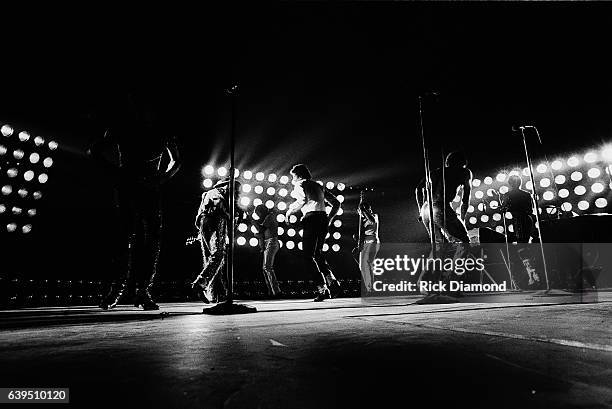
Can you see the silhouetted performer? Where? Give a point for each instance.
(370, 243)
(139, 158)
(213, 224)
(518, 203)
(445, 185)
(311, 198)
(267, 227)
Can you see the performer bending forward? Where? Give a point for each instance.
(311, 198)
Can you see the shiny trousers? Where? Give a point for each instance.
(315, 226)
(271, 247)
(213, 242)
(452, 229)
(366, 260)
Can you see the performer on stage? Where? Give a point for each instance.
(445, 185)
(311, 199)
(139, 159)
(370, 243)
(267, 227)
(212, 222)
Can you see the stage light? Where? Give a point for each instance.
(3, 150)
(280, 231)
(7, 190)
(271, 191)
(515, 172)
(529, 185)
(2, 208)
(260, 176)
(207, 183)
(270, 204)
(222, 171)
(583, 205)
(580, 190)
(11, 227)
(497, 217)
(300, 245)
(511, 229)
(508, 215)
(24, 136)
(545, 182)
(329, 185)
(563, 193)
(291, 232)
(560, 179)
(481, 207)
(245, 201)
(337, 223)
(526, 172)
(476, 182)
(22, 192)
(488, 180)
(336, 235)
(254, 230)
(499, 229)
(38, 141)
(241, 241)
(340, 211)
(282, 206)
(556, 165)
(290, 245)
(246, 188)
(541, 168)
(272, 178)
(594, 173)
(208, 170)
(257, 202)
(590, 157)
(325, 247)
(341, 186)
(503, 190)
(490, 192)
(48, 162)
(12, 172)
(284, 179)
(258, 189)
(566, 207)
(32, 212)
(34, 157)
(606, 153)
(280, 218)
(6, 130)
(479, 194)
(247, 174)
(18, 154)
(37, 195)
(253, 242)
(283, 192)
(254, 216)
(484, 218)
(52, 145)
(548, 195)
(573, 161)
(597, 187)
(293, 219)
(16, 210)
(236, 173)
(336, 247)
(494, 204)
(473, 220)
(328, 209)
(501, 177)
(601, 203)
(340, 198)
(470, 209)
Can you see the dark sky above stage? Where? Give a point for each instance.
(334, 86)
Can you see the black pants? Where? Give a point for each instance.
(315, 225)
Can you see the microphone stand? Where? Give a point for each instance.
(228, 307)
(513, 286)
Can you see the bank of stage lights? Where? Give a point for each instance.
(25, 161)
(580, 184)
(275, 193)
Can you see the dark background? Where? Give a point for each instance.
(331, 85)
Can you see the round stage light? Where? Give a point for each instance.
(500, 229)
(601, 203)
(48, 162)
(254, 229)
(590, 157)
(488, 180)
(38, 141)
(594, 173)
(259, 176)
(222, 171)
(476, 182)
(293, 219)
(253, 242)
(515, 172)
(291, 232)
(280, 231)
(484, 218)
(542, 168)
(325, 247)
(22, 192)
(236, 173)
(583, 205)
(271, 191)
(246, 188)
(282, 206)
(566, 207)
(283, 192)
(337, 223)
(257, 202)
(280, 218)
(270, 204)
(493, 204)
(7, 190)
(548, 195)
(341, 186)
(11, 227)
(556, 165)
(245, 201)
(497, 217)
(290, 245)
(3, 150)
(560, 179)
(336, 235)
(300, 245)
(52, 145)
(329, 185)
(24, 136)
(284, 179)
(34, 157)
(336, 247)
(254, 216)
(576, 176)
(501, 177)
(37, 195)
(470, 209)
(12, 172)
(6, 130)
(280, 244)
(272, 178)
(606, 153)
(481, 207)
(32, 212)
(508, 215)
(247, 174)
(340, 212)
(511, 229)
(16, 210)
(479, 194)
(526, 172)
(241, 241)
(529, 185)
(573, 161)
(563, 193)
(18, 154)
(580, 190)
(473, 220)
(597, 187)
(490, 192)
(208, 183)
(340, 198)
(503, 190)
(545, 182)
(2, 208)
(259, 189)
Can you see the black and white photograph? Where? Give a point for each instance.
(306, 204)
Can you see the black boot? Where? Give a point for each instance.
(143, 298)
(334, 286)
(322, 293)
(114, 295)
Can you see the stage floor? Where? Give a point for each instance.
(520, 351)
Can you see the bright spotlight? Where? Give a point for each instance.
(488, 180)
(280, 231)
(38, 141)
(576, 176)
(601, 203)
(548, 195)
(283, 192)
(241, 241)
(340, 211)
(222, 171)
(32, 212)
(597, 187)
(291, 232)
(42, 178)
(590, 157)
(336, 235)
(290, 245)
(260, 176)
(257, 202)
(336, 247)
(280, 218)
(282, 206)
(53, 145)
(12, 172)
(284, 179)
(246, 188)
(270, 204)
(573, 161)
(208, 183)
(253, 242)
(337, 223)
(236, 173)
(499, 229)
(526, 172)
(583, 205)
(6, 130)
(271, 178)
(258, 189)
(508, 215)
(556, 165)
(3, 150)
(18, 154)
(481, 207)
(16, 210)
(2, 208)
(580, 190)
(470, 209)
(24, 136)
(329, 185)
(497, 217)
(341, 186)
(479, 194)
(293, 219)
(247, 174)
(563, 193)
(484, 218)
(37, 195)
(476, 182)
(7, 190)
(245, 200)
(254, 215)
(541, 168)
(501, 177)
(594, 173)
(493, 204)
(208, 170)
(22, 192)
(325, 247)
(515, 172)
(270, 191)
(300, 245)
(340, 198)
(34, 157)
(606, 153)
(545, 182)
(473, 220)
(11, 227)
(560, 179)
(566, 207)
(48, 162)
